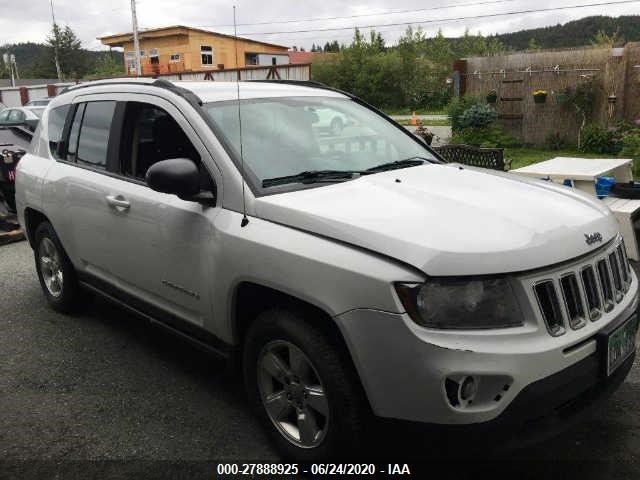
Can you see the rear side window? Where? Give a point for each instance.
(94, 134)
(4, 115)
(57, 119)
(72, 148)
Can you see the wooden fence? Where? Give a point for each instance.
(16, 96)
(615, 74)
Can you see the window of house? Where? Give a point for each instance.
(153, 56)
(142, 53)
(206, 52)
(251, 59)
(93, 140)
(57, 119)
(151, 135)
(175, 57)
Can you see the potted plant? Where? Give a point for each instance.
(492, 96)
(539, 96)
(562, 96)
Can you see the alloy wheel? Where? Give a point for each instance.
(51, 267)
(293, 394)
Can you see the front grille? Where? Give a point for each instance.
(585, 291)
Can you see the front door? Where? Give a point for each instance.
(153, 247)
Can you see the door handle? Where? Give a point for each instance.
(118, 202)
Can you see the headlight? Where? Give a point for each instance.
(461, 304)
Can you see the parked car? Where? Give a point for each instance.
(13, 145)
(21, 117)
(349, 275)
(329, 119)
(42, 102)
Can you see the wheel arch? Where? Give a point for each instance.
(33, 218)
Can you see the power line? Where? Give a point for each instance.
(389, 12)
(470, 17)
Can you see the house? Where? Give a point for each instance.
(186, 49)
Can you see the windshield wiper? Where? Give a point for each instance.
(312, 176)
(408, 162)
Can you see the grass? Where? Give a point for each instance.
(523, 156)
(409, 111)
(428, 123)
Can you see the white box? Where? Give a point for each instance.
(627, 212)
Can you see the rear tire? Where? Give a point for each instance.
(317, 411)
(57, 276)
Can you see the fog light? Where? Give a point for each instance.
(461, 390)
(468, 389)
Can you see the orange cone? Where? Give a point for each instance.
(414, 120)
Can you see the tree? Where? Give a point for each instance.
(106, 66)
(71, 56)
(601, 39)
(533, 46)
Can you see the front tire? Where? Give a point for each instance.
(56, 273)
(303, 387)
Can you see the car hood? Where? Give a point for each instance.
(449, 219)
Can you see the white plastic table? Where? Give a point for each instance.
(583, 171)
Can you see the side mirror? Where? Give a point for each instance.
(178, 176)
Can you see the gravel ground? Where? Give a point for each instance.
(103, 395)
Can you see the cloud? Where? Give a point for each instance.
(30, 20)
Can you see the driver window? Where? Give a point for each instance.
(150, 135)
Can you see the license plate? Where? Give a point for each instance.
(621, 344)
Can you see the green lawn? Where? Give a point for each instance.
(409, 111)
(428, 123)
(523, 156)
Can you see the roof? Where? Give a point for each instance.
(209, 91)
(120, 38)
(300, 57)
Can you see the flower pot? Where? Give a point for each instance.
(561, 98)
(492, 98)
(539, 98)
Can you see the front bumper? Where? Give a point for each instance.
(528, 374)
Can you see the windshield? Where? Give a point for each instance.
(286, 136)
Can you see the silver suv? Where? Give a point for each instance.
(350, 271)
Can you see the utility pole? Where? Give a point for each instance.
(55, 46)
(136, 42)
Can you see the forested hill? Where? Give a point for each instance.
(574, 34)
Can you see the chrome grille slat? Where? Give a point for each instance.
(550, 306)
(573, 300)
(591, 292)
(584, 291)
(606, 286)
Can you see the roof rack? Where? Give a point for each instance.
(160, 83)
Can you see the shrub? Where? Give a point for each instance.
(488, 136)
(596, 139)
(477, 116)
(631, 149)
(458, 106)
(555, 140)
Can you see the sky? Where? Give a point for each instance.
(30, 20)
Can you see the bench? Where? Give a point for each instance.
(474, 156)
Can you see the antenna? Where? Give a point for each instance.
(245, 220)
